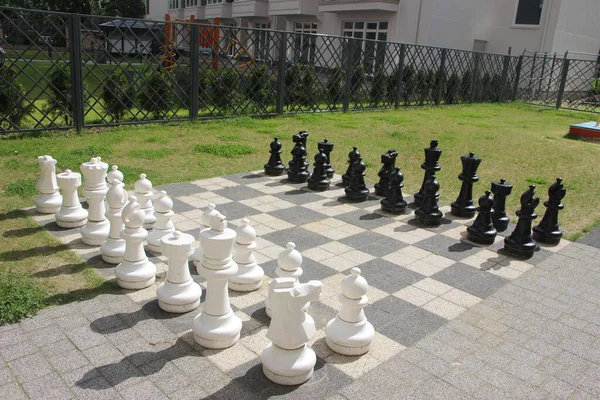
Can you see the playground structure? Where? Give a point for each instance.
(209, 37)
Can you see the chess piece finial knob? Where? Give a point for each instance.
(289, 259)
(354, 286)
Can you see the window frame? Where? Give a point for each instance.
(527, 26)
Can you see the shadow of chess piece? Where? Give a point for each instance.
(520, 242)
(319, 180)
(548, 230)
(394, 203)
(428, 213)
(357, 190)
(275, 167)
(431, 166)
(482, 231)
(463, 206)
(389, 165)
(327, 148)
(501, 190)
(352, 157)
(298, 167)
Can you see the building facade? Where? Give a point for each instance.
(548, 26)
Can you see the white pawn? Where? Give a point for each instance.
(110, 177)
(163, 211)
(179, 293)
(136, 271)
(49, 199)
(288, 360)
(217, 327)
(71, 214)
(288, 266)
(113, 249)
(143, 191)
(250, 275)
(95, 232)
(205, 221)
(349, 333)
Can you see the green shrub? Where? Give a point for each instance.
(59, 87)
(157, 94)
(466, 83)
(225, 150)
(118, 95)
(335, 86)
(225, 88)
(357, 81)
(21, 187)
(452, 89)
(421, 86)
(258, 87)
(409, 83)
(293, 83)
(379, 87)
(392, 87)
(309, 92)
(484, 89)
(496, 88)
(13, 106)
(20, 296)
(205, 82)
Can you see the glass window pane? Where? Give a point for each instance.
(382, 36)
(359, 25)
(347, 25)
(529, 12)
(372, 25)
(358, 35)
(371, 35)
(347, 33)
(314, 26)
(383, 25)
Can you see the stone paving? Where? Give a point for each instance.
(536, 337)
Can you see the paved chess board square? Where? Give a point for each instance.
(419, 277)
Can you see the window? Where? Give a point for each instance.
(305, 45)
(263, 41)
(529, 12)
(370, 53)
(173, 4)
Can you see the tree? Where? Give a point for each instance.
(59, 87)
(118, 95)
(13, 106)
(124, 8)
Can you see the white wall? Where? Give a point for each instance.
(158, 9)
(577, 28)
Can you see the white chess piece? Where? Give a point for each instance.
(163, 211)
(288, 266)
(49, 199)
(217, 327)
(136, 271)
(349, 333)
(288, 360)
(95, 232)
(113, 250)
(113, 174)
(71, 214)
(250, 275)
(205, 221)
(179, 293)
(143, 191)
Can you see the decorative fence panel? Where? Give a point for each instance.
(62, 71)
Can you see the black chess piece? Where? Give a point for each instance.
(548, 230)
(275, 167)
(357, 190)
(352, 157)
(389, 165)
(431, 166)
(463, 206)
(327, 148)
(298, 167)
(428, 213)
(482, 231)
(319, 180)
(393, 202)
(302, 136)
(501, 190)
(520, 242)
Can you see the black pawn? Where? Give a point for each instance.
(394, 203)
(357, 190)
(500, 190)
(431, 166)
(298, 167)
(389, 165)
(482, 231)
(275, 167)
(548, 230)
(463, 206)
(520, 242)
(319, 180)
(428, 213)
(327, 148)
(352, 157)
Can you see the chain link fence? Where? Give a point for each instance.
(64, 71)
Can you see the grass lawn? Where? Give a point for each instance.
(523, 144)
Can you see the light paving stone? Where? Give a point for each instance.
(68, 360)
(317, 254)
(354, 366)
(335, 248)
(444, 308)
(357, 256)
(424, 268)
(30, 367)
(146, 390)
(414, 295)
(6, 376)
(256, 341)
(414, 252)
(432, 286)
(339, 263)
(17, 350)
(12, 391)
(229, 358)
(399, 258)
(461, 298)
(48, 387)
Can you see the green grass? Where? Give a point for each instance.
(169, 153)
(20, 295)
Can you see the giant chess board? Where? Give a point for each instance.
(419, 279)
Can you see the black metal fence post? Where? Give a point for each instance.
(77, 100)
(348, 74)
(517, 78)
(475, 81)
(441, 75)
(504, 79)
(400, 75)
(281, 73)
(563, 81)
(194, 71)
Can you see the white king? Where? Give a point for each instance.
(95, 232)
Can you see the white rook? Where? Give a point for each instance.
(179, 293)
(71, 214)
(95, 232)
(113, 249)
(250, 275)
(49, 199)
(163, 211)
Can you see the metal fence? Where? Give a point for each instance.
(63, 70)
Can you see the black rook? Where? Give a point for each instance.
(499, 218)
(327, 148)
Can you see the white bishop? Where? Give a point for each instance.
(113, 249)
(143, 191)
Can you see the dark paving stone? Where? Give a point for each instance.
(372, 200)
(365, 219)
(180, 189)
(445, 225)
(304, 239)
(179, 206)
(373, 243)
(236, 210)
(313, 270)
(298, 215)
(298, 196)
(387, 276)
(448, 247)
(398, 308)
(591, 239)
(471, 280)
(413, 327)
(239, 193)
(247, 177)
